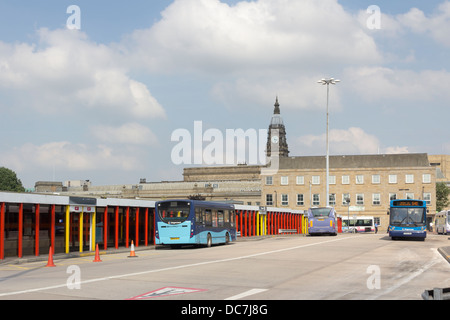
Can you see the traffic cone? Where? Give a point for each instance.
(50, 258)
(132, 254)
(97, 255)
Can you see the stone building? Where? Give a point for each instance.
(368, 181)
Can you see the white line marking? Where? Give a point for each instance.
(246, 294)
(409, 277)
(175, 268)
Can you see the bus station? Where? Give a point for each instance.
(30, 224)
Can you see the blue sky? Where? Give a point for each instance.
(102, 102)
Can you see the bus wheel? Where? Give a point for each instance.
(209, 241)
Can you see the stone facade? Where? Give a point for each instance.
(369, 180)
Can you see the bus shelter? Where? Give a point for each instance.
(31, 223)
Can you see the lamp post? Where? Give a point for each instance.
(327, 82)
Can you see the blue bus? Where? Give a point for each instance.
(180, 222)
(322, 221)
(407, 219)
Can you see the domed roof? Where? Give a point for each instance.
(276, 120)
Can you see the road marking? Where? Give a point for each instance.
(410, 276)
(166, 291)
(177, 267)
(246, 294)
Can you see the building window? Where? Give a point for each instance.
(300, 200)
(316, 199)
(284, 181)
(392, 196)
(359, 179)
(345, 179)
(269, 200)
(332, 179)
(300, 180)
(332, 199)
(359, 199)
(426, 178)
(377, 221)
(427, 198)
(392, 178)
(315, 179)
(269, 180)
(376, 199)
(345, 198)
(376, 179)
(284, 200)
(409, 195)
(409, 178)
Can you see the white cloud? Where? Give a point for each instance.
(436, 24)
(66, 72)
(382, 83)
(210, 36)
(302, 92)
(396, 150)
(67, 156)
(350, 141)
(128, 133)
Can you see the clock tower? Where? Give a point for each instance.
(276, 140)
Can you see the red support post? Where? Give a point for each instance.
(52, 226)
(36, 230)
(146, 227)
(255, 216)
(20, 231)
(137, 228)
(105, 228)
(2, 231)
(117, 228)
(240, 229)
(127, 226)
(245, 223)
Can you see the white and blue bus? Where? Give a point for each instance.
(180, 222)
(442, 222)
(322, 221)
(407, 219)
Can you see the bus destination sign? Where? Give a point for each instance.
(408, 203)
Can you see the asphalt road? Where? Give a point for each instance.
(344, 267)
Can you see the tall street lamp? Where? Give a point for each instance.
(328, 82)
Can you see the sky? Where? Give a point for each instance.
(115, 91)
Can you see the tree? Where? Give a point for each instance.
(442, 193)
(9, 181)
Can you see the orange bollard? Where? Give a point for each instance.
(97, 255)
(50, 258)
(132, 254)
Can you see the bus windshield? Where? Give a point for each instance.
(405, 216)
(173, 212)
(320, 212)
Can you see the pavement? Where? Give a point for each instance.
(445, 252)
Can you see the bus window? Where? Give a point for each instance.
(207, 217)
(220, 218)
(173, 212)
(320, 212)
(226, 217)
(214, 218)
(198, 216)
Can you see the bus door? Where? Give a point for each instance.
(82, 229)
